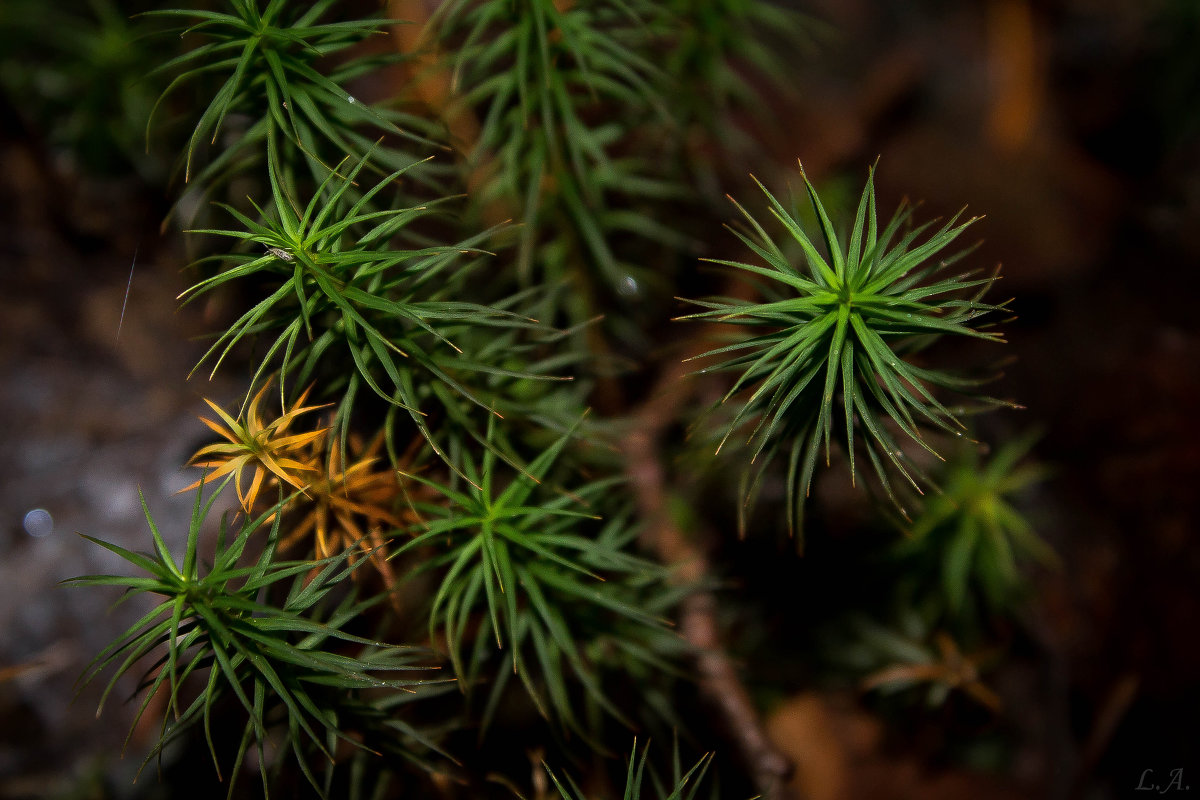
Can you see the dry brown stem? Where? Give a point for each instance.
(717, 675)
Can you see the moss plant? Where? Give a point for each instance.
(419, 377)
(835, 330)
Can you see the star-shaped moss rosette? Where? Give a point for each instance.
(528, 571)
(840, 328)
(351, 507)
(215, 633)
(266, 448)
(942, 668)
(971, 537)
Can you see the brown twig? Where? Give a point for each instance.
(430, 79)
(430, 82)
(717, 675)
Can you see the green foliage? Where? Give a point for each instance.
(635, 775)
(955, 579)
(968, 538)
(712, 49)
(267, 62)
(837, 329)
(334, 282)
(81, 80)
(278, 656)
(558, 89)
(528, 558)
(502, 524)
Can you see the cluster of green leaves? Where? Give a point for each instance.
(842, 327)
(422, 342)
(635, 774)
(268, 61)
(346, 290)
(286, 658)
(337, 288)
(954, 580)
(970, 536)
(722, 56)
(557, 89)
(80, 81)
(528, 560)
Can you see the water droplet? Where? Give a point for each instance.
(628, 286)
(350, 99)
(38, 523)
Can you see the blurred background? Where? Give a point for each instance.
(1073, 125)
